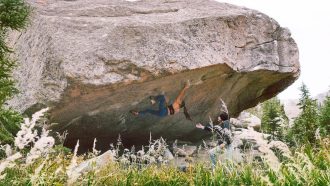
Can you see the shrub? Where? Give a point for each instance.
(13, 16)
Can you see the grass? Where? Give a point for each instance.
(56, 165)
(307, 167)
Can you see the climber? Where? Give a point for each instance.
(165, 110)
(224, 137)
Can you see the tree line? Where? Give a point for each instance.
(13, 16)
(312, 122)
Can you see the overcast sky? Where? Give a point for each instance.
(309, 23)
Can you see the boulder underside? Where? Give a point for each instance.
(104, 111)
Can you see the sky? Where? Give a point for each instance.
(309, 23)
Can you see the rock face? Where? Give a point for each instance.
(246, 120)
(291, 109)
(254, 145)
(92, 61)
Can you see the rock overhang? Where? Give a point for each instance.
(89, 112)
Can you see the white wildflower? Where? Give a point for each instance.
(145, 157)
(36, 116)
(211, 122)
(124, 160)
(14, 157)
(7, 163)
(160, 159)
(175, 144)
(152, 159)
(133, 157)
(161, 146)
(62, 137)
(119, 142)
(37, 171)
(8, 150)
(141, 152)
(95, 152)
(317, 134)
(59, 161)
(223, 106)
(41, 147)
(205, 145)
(152, 150)
(126, 150)
(27, 135)
(133, 149)
(113, 154)
(4, 165)
(303, 159)
(72, 174)
(74, 157)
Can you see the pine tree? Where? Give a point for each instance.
(325, 117)
(273, 118)
(306, 124)
(13, 16)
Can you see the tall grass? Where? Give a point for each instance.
(54, 165)
(307, 167)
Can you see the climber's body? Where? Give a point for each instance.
(163, 109)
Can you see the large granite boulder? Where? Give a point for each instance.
(246, 120)
(254, 145)
(92, 61)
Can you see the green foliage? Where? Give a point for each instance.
(14, 16)
(306, 124)
(57, 166)
(307, 166)
(273, 118)
(29, 175)
(325, 117)
(7, 84)
(9, 125)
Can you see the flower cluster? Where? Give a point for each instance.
(154, 154)
(28, 134)
(41, 147)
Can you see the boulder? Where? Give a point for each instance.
(255, 145)
(185, 150)
(95, 163)
(236, 123)
(281, 146)
(168, 155)
(247, 120)
(93, 61)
